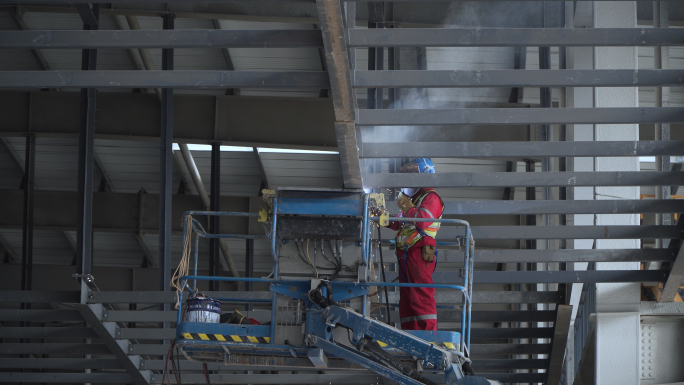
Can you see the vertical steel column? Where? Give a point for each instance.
(215, 197)
(421, 64)
(249, 266)
(166, 170)
(27, 231)
(86, 161)
(661, 59)
(392, 55)
(376, 55)
(545, 100)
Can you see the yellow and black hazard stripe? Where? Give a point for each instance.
(447, 345)
(227, 338)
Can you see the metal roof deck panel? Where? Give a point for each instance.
(10, 174)
(274, 59)
(49, 247)
(113, 249)
(131, 165)
(55, 21)
(6, 22)
(56, 162)
(240, 172)
(18, 60)
(302, 170)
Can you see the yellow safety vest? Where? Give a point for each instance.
(409, 235)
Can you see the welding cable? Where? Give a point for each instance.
(301, 256)
(323, 254)
(206, 375)
(178, 364)
(382, 268)
(169, 356)
(338, 266)
(176, 371)
(309, 258)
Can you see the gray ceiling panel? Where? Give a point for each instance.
(131, 165)
(49, 247)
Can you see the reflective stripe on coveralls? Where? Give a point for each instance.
(418, 318)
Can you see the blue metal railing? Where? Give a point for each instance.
(465, 328)
(465, 241)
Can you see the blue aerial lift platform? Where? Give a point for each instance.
(322, 302)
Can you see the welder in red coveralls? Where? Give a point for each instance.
(416, 250)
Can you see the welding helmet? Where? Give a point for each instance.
(419, 165)
(425, 165)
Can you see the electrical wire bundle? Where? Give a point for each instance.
(336, 261)
(183, 268)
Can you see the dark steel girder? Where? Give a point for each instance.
(45, 316)
(339, 67)
(245, 364)
(588, 276)
(595, 255)
(189, 38)
(495, 333)
(47, 332)
(502, 37)
(73, 378)
(238, 120)
(164, 79)
(165, 297)
(627, 206)
(53, 348)
(520, 179)
(525, 150)
(511, 116)
(497, 349)
(500, 364)
(88, 15)
(568, 232)
(477, 333)
(350, 378)
(518, 78)
(490, 297)
(59, 363)
(477, 349)
(39, 296)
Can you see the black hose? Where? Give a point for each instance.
(382, 268)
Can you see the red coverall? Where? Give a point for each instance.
(417, 306)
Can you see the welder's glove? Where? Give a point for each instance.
(404, 203)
